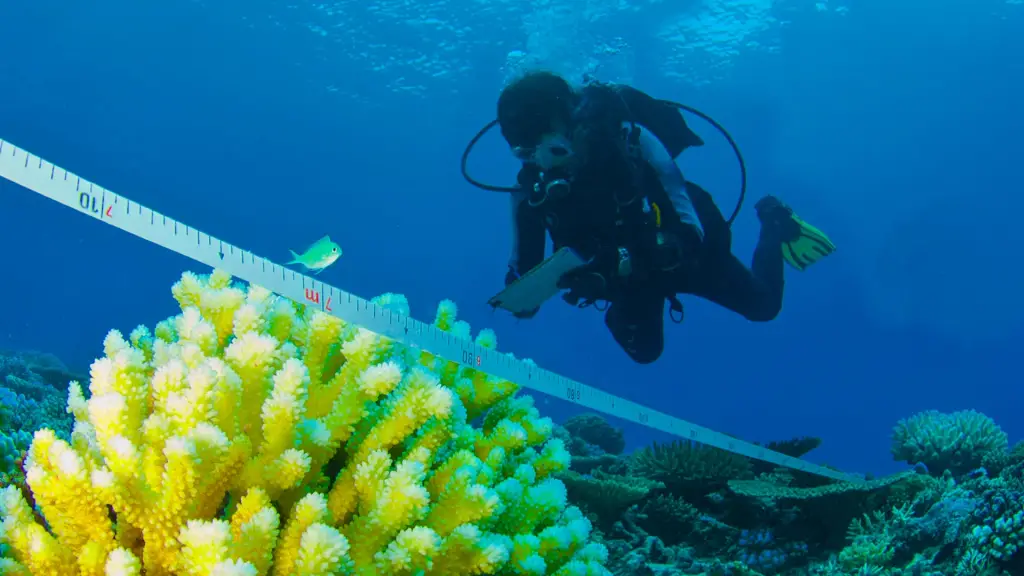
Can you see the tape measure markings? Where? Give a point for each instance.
(86, 197)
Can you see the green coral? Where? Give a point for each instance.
(682, 465)
(606, 495)
(867, 553)
(820, 515)
(604, 462)
(672, 519)
(996, 462)
(595, 430)
(880, 522)
(958, 442)
(974, 563)
(999, 532)
(872, 548)
(919, 488)
(763, 489)
(13, 444)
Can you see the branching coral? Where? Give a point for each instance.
(958, 442)
(209, 447)
(682, 464)
(607, 495)
(595, 430)
(673, 519)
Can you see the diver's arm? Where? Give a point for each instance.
(528, 238)
(671, 178)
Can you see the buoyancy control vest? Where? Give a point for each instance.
(611, 209)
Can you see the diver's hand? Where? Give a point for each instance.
(585, 276)
(575, 277)
(511, 276)
(583, 283)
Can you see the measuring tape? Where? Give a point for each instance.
(56, 183)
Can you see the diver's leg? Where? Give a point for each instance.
(637, 322)
(755, 292)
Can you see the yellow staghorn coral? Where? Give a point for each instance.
(253, 436)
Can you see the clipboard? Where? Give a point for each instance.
(538, 285)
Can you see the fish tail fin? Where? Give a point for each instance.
(295, 258)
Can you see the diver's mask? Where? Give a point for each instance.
(553, 156)
(553, 151)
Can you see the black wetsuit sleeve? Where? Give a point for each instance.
(528, 238)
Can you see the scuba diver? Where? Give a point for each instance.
(599, 176)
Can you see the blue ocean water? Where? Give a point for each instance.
(894, 126)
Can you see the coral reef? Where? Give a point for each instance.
(32, 393)
(34, 373)
(594, 431)
(697, 510)
(250, 435)
(609, 495)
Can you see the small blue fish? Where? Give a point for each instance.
(318, 256)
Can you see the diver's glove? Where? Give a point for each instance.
(584, 283)
(802, 244)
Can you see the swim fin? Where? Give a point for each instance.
(802, 244)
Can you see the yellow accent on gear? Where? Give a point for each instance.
(657, 215)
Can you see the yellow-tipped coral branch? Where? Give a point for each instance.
(252, 436)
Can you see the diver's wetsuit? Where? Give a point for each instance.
(636, 317)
